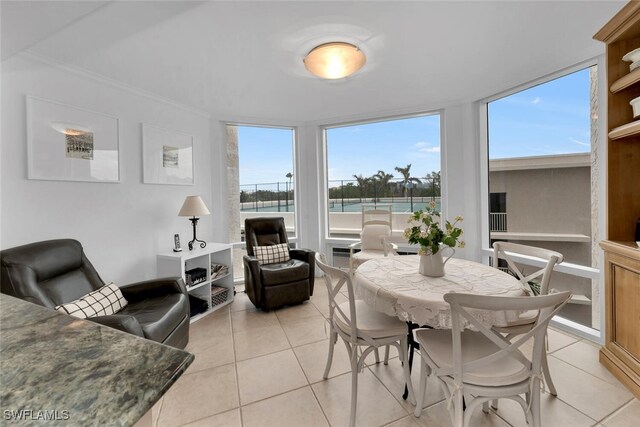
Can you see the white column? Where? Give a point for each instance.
(461, 175)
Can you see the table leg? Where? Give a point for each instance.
(412, 346)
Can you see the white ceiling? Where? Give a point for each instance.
(244, 59)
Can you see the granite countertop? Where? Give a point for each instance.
(78, 372)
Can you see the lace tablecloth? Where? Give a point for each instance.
(392, 285)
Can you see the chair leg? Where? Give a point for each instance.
(535, 404)
(377, 355)
(422, 389)
(386, 355)
(333, 335)
(407, 372)
(494, 404)
(353, 357)
(458, 409)
(547, 375)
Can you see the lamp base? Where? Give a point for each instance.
(203, 244)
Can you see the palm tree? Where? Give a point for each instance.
(434, 178)
(363, 183)
(384, 179)
(406, 178)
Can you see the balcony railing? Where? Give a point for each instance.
(344, 195)
(497, 221)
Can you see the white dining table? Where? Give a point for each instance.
(392, 285)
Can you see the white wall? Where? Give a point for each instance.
(121, 226)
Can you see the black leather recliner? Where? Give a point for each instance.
(56, 272)
(273, 285)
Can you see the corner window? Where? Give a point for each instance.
(541, 182)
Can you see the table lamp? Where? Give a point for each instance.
(193, 206)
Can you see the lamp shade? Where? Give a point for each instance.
(193, 206)
(334, 60)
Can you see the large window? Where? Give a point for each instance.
(261, 179)
(541, 181)
(394, 162)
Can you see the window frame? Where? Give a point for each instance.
(294, 163)
(568, 268)
(328, 242)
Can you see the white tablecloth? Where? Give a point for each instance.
(392, 285)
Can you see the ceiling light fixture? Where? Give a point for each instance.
(334, 60)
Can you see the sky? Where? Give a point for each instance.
(549, 119)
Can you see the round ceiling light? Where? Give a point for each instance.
(334, 60)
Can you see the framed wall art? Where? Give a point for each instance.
(67, 143)
(167, 156)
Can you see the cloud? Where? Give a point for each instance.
(422, 149)
(429, 150)
(536, 100)
(575, 141)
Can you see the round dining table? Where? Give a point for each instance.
(392, 285)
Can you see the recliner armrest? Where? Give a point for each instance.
(252, 282)
(142, 290)
(309, 257)
(305, 255)
(122, 322)
(253, 264)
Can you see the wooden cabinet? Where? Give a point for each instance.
(621, 352)
(214, 287)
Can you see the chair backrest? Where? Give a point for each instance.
(373, 235)
(506, 250)
(335, 279)
(264, 231)
(377, 214)
(548, 306)
(48, 273)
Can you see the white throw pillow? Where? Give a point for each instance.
(272, 254)
(102, 302)
(372, 235)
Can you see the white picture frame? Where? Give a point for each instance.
(69, 143)
(167, 156)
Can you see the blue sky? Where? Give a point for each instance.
(552, 118)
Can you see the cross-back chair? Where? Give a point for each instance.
(475, 367)
(360, 326)
(507, 251)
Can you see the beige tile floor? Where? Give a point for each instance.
(265, 369)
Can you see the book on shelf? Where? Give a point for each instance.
(218, 270)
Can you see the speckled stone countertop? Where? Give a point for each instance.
(75, 372)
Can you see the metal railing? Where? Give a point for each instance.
(268, 197)
(497, 221)
(345, 195)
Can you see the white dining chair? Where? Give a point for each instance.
(362, 329)
(474, 367)
(525, 321)
(376, 226)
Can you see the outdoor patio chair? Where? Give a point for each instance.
(360, 326)
(475, 367)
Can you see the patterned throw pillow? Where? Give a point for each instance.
(102, 302)
(272, 254)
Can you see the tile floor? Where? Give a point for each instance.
(265, 369)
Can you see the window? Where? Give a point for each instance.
(541, 182)
(394, 162)
(261, 179)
